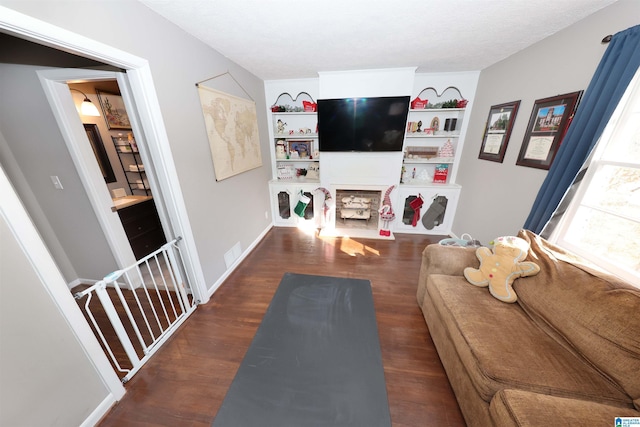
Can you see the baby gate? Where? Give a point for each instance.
(139, 307)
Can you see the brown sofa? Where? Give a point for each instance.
(567, 352)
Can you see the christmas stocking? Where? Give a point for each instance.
(416, 204)
(435, 214)
(303, 201)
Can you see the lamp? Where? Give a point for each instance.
(87, 108)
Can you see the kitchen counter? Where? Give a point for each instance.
(127, 201)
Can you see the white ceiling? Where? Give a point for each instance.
(277, 39)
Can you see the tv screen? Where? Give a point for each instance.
(362, 124)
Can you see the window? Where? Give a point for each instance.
(602, 223)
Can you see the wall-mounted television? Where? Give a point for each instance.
(362, 124)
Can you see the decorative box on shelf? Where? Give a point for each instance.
(421, 153)
(441, 173)
(419, 104)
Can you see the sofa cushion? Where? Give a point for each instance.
(501, 348)
(526, 409)
(449, 260)
(594, 314)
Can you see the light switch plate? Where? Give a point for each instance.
(56, 182)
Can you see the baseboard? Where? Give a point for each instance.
(80, 281)
(237, 262)
(101, 410)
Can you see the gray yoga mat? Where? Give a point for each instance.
(314, 361)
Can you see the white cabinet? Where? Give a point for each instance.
(434, 216)
(285, 196)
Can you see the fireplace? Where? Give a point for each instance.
(357, 212)
(357, 209)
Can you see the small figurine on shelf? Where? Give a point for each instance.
(280, 126)
(446, 151)
(281, 152)
(419, 126)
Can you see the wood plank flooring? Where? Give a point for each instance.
(185, 382)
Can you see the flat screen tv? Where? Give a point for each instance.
(362, 124)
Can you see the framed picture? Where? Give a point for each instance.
(497, 131)
(300, 149)
(113, 110)
(549, 122)
(100, 152)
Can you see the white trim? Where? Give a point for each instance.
(54, 84)
(237, 262)
(51, 278)
(81, 281)
(94, 418)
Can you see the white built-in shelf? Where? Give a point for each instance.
(423, 135)
(298, 160)
(297, 113)
(429, 184)
(296, 136)
(296, 180)
(435, 110)
(428, 161)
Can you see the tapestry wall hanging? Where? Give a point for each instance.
(232, 129)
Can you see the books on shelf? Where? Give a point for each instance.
(440, 174)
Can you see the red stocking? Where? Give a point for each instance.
(415, 205)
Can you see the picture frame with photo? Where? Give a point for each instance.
(497, 131)
(300, 149)
(113, 110)
(549, 121)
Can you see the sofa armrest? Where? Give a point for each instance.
(447, 260)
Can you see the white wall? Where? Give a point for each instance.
(34, 151)
(46, 378)
(221, 213)
(496, 197)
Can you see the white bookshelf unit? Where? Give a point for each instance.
(299, 167)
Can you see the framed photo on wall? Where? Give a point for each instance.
(113, 110)
(549, 121)
(497, 131)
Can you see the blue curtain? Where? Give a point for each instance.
(615, 71)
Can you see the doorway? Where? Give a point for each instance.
(140, 82)
(118, 154)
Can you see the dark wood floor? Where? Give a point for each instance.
(166, 307)
(185, 382)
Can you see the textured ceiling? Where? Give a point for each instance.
(277, 39)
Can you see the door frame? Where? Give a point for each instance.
(144, 96)
(56, 89)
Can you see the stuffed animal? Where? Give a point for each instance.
(499, 269)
